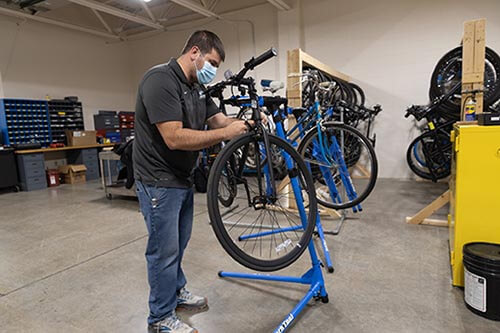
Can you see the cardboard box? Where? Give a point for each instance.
(73, 173)
(81, 138)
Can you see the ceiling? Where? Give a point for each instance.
(123, 19)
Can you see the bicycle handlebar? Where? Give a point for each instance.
(236, 79)
(420, 112)
(254, 62)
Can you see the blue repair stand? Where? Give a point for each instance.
(313, 278)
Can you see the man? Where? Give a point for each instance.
(171, 112)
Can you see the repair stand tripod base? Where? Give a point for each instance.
(313, 277)
(336, 231)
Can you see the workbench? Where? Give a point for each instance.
(32, 163)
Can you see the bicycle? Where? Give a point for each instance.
(429, 154)
(251, 201)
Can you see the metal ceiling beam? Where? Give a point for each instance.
(16, 13)
(104, 23)
(117, 12)
(280, 4)
(147, 10)
(195, 8)
(213, 4)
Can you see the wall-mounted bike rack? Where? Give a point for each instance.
(473, 51)
(297, 61)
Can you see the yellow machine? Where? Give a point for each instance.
(475, 191)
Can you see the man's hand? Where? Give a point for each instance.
(263, 118)
(234, 129)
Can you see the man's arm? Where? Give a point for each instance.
(220, 120)
(178, 138)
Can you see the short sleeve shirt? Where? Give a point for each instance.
(166, 95)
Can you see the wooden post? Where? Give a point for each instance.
(473, 54)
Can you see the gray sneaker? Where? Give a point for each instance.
(171, 324)
(188, 301)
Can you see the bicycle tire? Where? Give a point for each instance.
(359, 93)
(451, 62)
(373, 167)
(216, 218)
(415, 162)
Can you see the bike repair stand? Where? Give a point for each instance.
(336, 231)
(313, 277)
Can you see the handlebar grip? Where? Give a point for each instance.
(254, 62)
(265, 83)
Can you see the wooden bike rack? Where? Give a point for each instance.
(473, 54)
(297, 61)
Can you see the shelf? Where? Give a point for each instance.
(24, 121)
(65, 115)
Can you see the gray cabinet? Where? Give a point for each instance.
(31, 171)
(87, 157)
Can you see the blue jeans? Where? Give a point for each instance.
(168, 213)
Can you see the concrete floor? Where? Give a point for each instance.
(71, 260)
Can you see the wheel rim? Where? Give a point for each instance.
(347, 174)
(250, 214)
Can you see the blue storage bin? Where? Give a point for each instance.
(24, 121)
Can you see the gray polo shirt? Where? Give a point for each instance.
(166, 95)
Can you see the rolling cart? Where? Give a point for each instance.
(110, 184)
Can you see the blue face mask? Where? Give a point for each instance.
(206, 74)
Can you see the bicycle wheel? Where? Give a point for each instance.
(359, 93)
(448, 72)
(429, 156)
(258, 229)
(345, 169)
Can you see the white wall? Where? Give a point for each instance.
(390, 48)
(236, 36)
(37, 60)
(1, 86)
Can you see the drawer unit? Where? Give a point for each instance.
(92, 173)
(106, 122)
(81, 156)
(31, 171)
(126, 125)
(87, 157)
(92, 170)
(34, 183)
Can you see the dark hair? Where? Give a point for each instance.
(206, 41)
